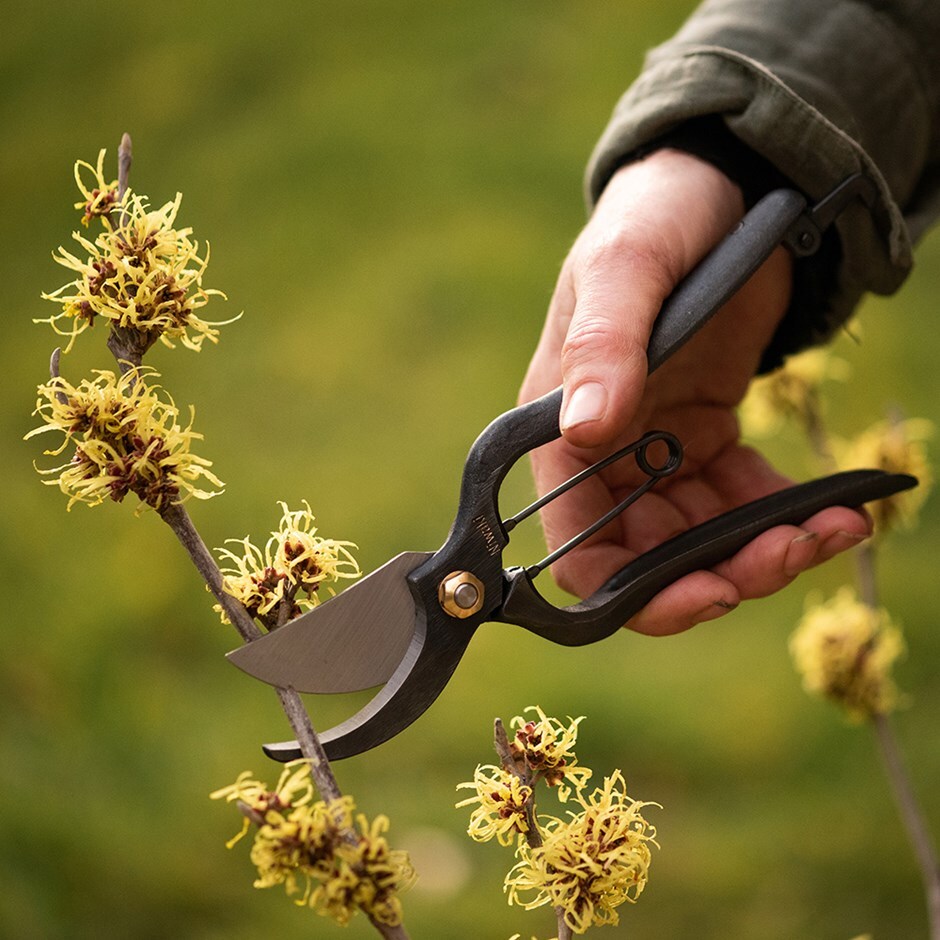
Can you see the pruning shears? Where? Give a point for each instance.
(406, 625)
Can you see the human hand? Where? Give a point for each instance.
(655, 220)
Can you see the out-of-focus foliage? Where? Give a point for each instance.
(389, 190)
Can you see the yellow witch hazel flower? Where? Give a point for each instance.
(126, 437)
(336, 861)
(546, 746)
(503, 805)
(789, 392)
(584, 866)
(279, 582)
(294, 788)
(896, 446)
(589, 864)
(141, 273)
(844, 650)
(99, 197)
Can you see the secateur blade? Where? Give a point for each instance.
(354, 641)
(417, 682)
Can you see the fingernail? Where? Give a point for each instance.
(715, 609)
(799, 554)
(841, 541)
(588, 402)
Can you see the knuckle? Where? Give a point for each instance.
(635, 251)
(589, 334)
(621, 276)
(600, 338)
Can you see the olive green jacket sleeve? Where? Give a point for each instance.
(821, 89)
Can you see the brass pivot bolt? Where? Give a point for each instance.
(461, 594)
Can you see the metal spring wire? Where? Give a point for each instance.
(653, 472)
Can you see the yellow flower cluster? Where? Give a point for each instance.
(126, 438)
(789, 392)
(589, 864)
(844, 650)
(141, 273)
(584, 866)
(546, 747)
(896, 446)
(503, 805)
(275, 584)
(334, 859)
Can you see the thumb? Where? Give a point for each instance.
(656, 219)
(603, 358)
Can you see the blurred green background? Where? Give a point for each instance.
(389, 190)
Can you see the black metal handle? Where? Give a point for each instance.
(711, 284)
(703, 546)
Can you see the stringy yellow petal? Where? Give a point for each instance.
(125, 436)
(285, 578)
(325, 855)
(502, 799)
(546, 746)
(141, 273)
(590, 863)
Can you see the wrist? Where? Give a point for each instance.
(708, 138)
(718, 187)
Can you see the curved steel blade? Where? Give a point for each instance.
(354, 641)
(427, 665)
